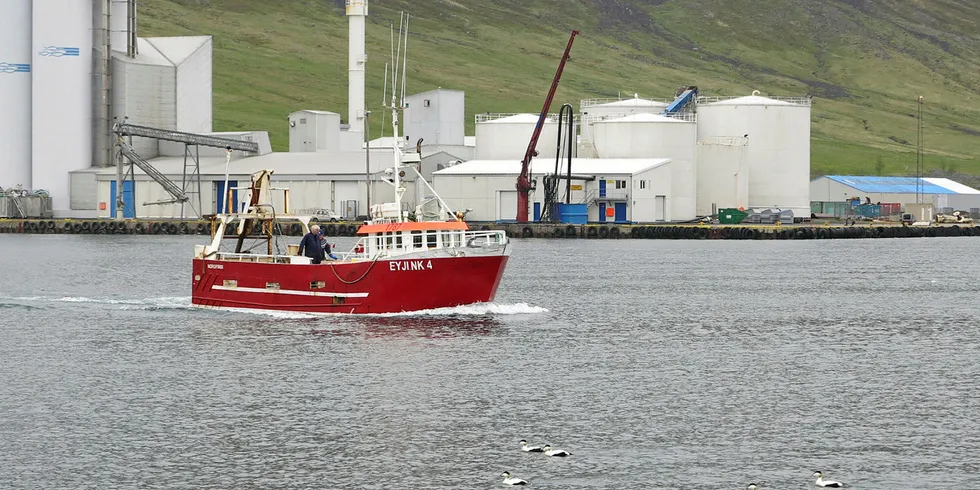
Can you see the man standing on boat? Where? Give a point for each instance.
(310, 246)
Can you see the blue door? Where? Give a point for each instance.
(129, 208)
(620, 212)
(602, 188)
(537, 211)
(602, 207)
(219, 193)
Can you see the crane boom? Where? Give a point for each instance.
(524, 180)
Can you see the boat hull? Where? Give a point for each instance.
(382, 286)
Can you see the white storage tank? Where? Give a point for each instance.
(592, 110)
(506, 136)
(723, 174)
(647, 135)
(15, 94)
(61, 87)
(778, 151)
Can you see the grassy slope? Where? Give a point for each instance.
(865, 61)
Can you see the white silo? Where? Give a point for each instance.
(61, 87)
(778, 151)
(505, 137)
(723, 174)
(15, 88)
(647, 135)
(592, 110)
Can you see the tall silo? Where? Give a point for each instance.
(778, 151)
(61, 85)
(506, 136)
(592, 110)
(15, 90)
(723, 174)
(647, 135)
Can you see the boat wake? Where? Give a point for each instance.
(184, 302)
(472, 310)
(162, 302)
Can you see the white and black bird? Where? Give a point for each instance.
(826, 483)
(509, 480)
(555, 452)
(752, 486)
(530, 449)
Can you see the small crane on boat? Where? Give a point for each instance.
(524, 180)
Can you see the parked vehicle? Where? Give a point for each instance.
(320, 214)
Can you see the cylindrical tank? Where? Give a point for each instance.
(778, 150)
(723, 174)
(600, 110)
(654, 136)
(506, 138)
(15, 91)
(61, 83)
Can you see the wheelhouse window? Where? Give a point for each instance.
(417, 239)
(432, 239)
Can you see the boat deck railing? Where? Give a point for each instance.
(361, 252)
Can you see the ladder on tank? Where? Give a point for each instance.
(178, 192)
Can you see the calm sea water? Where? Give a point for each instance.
(658, 364)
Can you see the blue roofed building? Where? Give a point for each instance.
(943, 194)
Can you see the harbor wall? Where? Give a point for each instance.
(518, 231)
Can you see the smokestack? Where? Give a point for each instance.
(357, 11)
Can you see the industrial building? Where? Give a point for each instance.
(618, 190)
(945, 195)
(133, 121)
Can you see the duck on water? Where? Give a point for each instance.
(826, 483)
(509, 480)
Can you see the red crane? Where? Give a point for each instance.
(524, 181)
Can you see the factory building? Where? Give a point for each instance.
(612, 189)
(333, 181)
(945, 195)
(78, 72)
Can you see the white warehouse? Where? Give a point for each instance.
(620, 190)
(940, 192)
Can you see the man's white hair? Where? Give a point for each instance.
(315, 228)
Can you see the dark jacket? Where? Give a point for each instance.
(310, 247)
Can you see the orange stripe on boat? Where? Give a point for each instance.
(413, 226)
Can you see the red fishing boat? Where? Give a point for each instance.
(397, 264)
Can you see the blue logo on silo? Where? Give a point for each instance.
(58, 51)
(14, 67)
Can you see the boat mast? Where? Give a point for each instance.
(397, 104)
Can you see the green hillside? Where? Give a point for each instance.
(865, 61)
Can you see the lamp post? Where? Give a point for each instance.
(918, 156)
